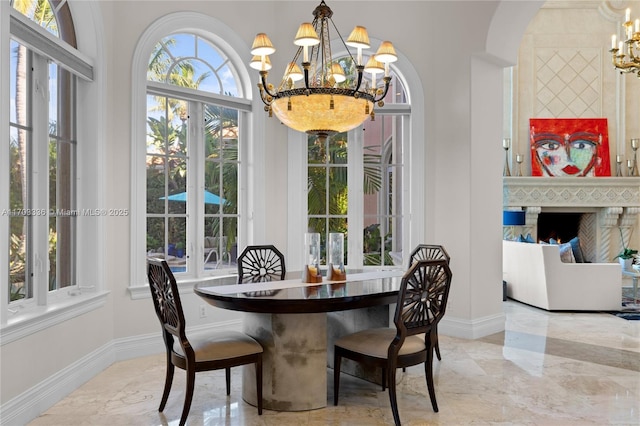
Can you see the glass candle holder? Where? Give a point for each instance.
(336, 271)
(519, 160)
(619, 161)
(311, 269)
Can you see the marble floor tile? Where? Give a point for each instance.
(544, 369)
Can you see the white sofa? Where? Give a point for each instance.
(536, 276)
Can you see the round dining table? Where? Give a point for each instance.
(289, 319)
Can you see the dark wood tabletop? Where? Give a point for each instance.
(292, 296)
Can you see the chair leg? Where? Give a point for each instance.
(435, 331)
(428, 372)
(384, 379)
(259, 384)
(391, 378)
(191, 381)
(337, 360)
(167, 383)
(227, 373)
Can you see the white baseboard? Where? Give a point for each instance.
(30, 404)
(475, 329)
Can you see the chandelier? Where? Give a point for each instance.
(628, 62)
(326, 95)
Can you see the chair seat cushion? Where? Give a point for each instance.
(219, 345)
(375, 342)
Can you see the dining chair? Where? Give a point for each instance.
(430, 252)
(201, 351)
(421, 304)
(261, 263)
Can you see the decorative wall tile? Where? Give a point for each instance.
(568, 82)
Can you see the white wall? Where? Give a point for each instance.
(446, 43)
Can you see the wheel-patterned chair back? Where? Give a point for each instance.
(422, 298)
(261, 263)
(166, 300)
(428, 252)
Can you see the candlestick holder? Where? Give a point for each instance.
(506, 144)
(619, 165)
(630, 167)
(519, 159)
(635, 143)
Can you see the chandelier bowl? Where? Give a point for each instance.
(313, 113)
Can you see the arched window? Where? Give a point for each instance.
(192, 142)
(43, 212)
(40, 204)
(196, 126)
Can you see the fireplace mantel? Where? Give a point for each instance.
(613, 201)
(571, 192)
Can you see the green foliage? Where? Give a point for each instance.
(170, 141)
(53, 249)
(17, 265)
(626, 253)
(39, 11)
(327, 187)
(373, 247)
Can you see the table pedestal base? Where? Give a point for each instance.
(294, 372)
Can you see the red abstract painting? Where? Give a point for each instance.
(569, 147)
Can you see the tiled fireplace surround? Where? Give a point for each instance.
(607, 203)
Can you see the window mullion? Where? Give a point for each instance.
(40, 180)
(355, 223)
(411, 229)
(195, 185)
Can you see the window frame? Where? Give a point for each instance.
(195, 233)
(227, 41)
(53, 307)
(414, 175)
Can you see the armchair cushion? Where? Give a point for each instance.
(577, 251)
(527, 239)
(566, 253)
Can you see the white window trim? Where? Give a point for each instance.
(236, 49)
(89, 294)
(46, 44)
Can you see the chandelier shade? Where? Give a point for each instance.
(262, 46)
(333, 95)
(359, 38)
(256, 63)
(306, 35)
(625, 54)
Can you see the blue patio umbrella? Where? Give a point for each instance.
(209, 198)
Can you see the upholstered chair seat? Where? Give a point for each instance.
(375, 342)
(223, 345)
